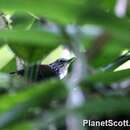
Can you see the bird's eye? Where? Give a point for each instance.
(61, 61)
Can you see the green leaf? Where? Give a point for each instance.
(10, 67)
(31, 45)
(117, 63)
(22, 22)
(30, 38)
(50, 87)
(5, 56)
(110, 107)
(112, 49)
(61, 11)
(15, 106)
(109, 77)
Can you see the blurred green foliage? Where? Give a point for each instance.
(38, 32)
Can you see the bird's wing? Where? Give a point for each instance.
(45, 72)
(37, 72)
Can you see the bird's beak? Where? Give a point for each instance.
(71, 60)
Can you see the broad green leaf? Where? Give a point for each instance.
(109, 77)
(22, 22)
(31, 45)
(76, 11)
(31, 38)
(61, 11)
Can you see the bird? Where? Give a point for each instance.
(40, 72)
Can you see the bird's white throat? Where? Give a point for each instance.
(63, 72)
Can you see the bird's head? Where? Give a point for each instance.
(61, 65)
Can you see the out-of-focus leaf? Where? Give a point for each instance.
(61, 11)
(118, 62)
(108, 106)
(102, 108)
(109, 77)
(81, 11)
(30, 38)
(5, 56)
(33, 91)
(65, 11)
(22, 21)
(15, 106)
(109, 53)
(22, 126)
(9, 67)
(11, 82)
(31, 45)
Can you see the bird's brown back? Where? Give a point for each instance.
(37, 72)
